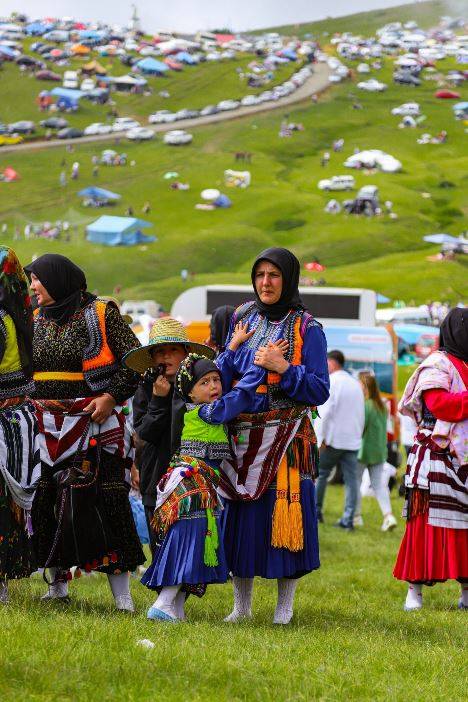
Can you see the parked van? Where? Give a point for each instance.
(70, 79)
(341, 182)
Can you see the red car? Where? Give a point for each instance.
(447, 95)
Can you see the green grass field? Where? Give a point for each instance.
(194, 87)
(349, 639)
(283, 205)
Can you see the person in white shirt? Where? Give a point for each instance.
(339, 432)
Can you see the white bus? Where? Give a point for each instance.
(351, 307)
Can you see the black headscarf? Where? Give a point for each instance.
(191, 370)
(64, 281)
(15, 300)
(219, 325)
(289, 266)
(454, 333)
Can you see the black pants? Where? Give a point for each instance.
(149, 511)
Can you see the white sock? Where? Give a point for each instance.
(119, 584)
(243, 588)
(166, 600)
(179, 605)
(4, 592)
(58, 588)
(464, 594)
(414, 598)
(284, 606)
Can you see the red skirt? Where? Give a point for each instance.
(431, 554)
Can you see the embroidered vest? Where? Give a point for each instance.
(99, 362)
(203, 440)
(13, 381)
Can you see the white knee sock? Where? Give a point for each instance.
(166, 600)
(119, 584)
(243, 588)
(179, 604)
(463, 601)
(4, 592)
(414, 598)
(59, 588)
(284, 606)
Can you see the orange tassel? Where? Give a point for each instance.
(280, 520)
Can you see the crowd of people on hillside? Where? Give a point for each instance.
(235, 441)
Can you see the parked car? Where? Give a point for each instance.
(10, 139)
(177, 137)
(70, 133)
(123, 124)
(343, 182)
(410, 109)
(87, 84)
(54, 123)
(187, 114)
(372, 86)
(140, 134)
(162, 117)
(48, 75)
(70, 79)
(97, 128)
(250, 100)
(22, 127)
(406, 78)
(209, 110)
(225, 105)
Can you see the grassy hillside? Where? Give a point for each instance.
(283, 205)
(194, 88)
(426, 14)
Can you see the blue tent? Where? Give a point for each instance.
(222, 201)
(185, 57)
(441, 239)
(36, 29)
(150, 65)
(118, 231)
(6, 51)
(411, 333)
(99, 194)
(289, 54)
(67, 96)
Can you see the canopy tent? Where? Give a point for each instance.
(152, 66)
(441, 239)
(80, 50)
(185, 57)
(118, 231)
(98, 194)
(94, 67)
(36, 29)
(127, 82)
(67, 96)
(9, 174)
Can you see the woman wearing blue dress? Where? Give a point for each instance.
(270, 521)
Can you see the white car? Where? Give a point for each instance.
(410, 109)
(334, 78)
(87, 84)
(162, 117)
(97, 128)
(363, 68)
(177, 137)
(249, 100)
(344, 182)
(139, 134)
(226, 105)
(123, 124)
(372, 86)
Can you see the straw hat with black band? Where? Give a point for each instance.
(164, 331)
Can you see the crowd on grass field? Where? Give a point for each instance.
(235, 440)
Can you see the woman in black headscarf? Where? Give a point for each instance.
(270, 521)
(435, 544)
(81, 513)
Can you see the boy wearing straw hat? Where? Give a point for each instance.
(157, 414)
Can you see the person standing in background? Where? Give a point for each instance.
(373, 452)
(339, 432)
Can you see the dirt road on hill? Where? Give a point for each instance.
(317, 82)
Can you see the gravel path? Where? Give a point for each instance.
(317, 82)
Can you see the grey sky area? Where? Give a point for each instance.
(190, 15)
